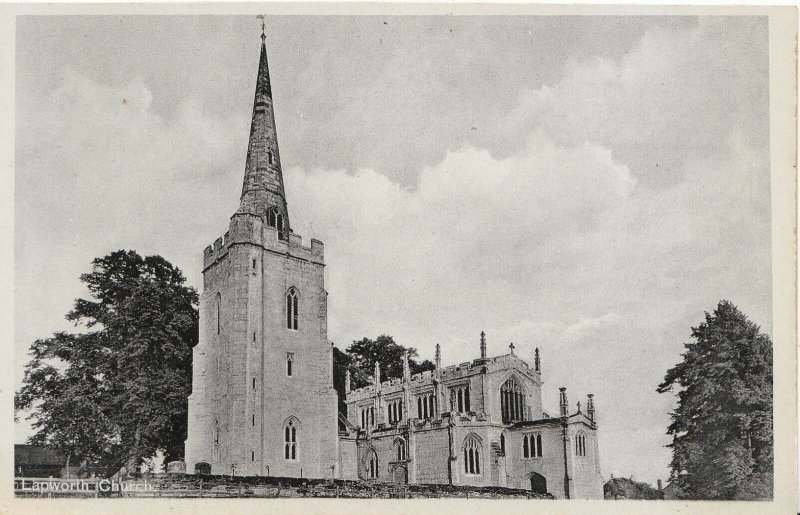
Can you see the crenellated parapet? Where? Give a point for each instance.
(249, 229)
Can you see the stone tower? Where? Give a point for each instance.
(262, 399)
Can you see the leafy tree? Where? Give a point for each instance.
(384, 350)
(722, 446)
(361, 357)
(116, 393)
(627, 488)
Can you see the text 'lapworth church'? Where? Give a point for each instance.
(263, 401)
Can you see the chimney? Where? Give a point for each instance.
(347, 381)
(562, 402)
(590, 406)
(438, 357)
(536, 360)
(658, 482)
(483, 345)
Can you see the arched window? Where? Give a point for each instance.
(512, 401)
(289, 363)
(292, 308)
(279, 225)
(532, 445)
(219, 312)
(502, 443)
(272, 218)
(372, 465)
(400, 449)
(580, 444)
(472, 455)
(290, 439)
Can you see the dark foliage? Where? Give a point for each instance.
(722, 442)
(117, 393)
(625, 488)
(361, 357)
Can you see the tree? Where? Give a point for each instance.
(116, 394)
(383, 350)
(722, 443)
(360, 359)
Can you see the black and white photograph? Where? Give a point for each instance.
(515, 256)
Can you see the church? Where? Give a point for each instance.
(263, 401)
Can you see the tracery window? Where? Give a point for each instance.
(580, 444)
(532, 445)
(289, 363)
(292, 311)
(512, 401)
(290, 439)
(472, 455)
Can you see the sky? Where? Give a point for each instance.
(586, 185)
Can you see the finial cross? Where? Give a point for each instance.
(511, 346)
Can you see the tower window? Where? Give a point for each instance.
(502, 443)
(289, 362)
(580, 444)
(269, 155)
(279, 225)
(254, 420)
(254, 383)
(512, 401)
(254, 264)
(253, 456)
(292, 305)
(219, 310)
(290, 439)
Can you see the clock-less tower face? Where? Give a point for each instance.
(262, 399)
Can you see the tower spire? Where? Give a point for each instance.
(262, 192)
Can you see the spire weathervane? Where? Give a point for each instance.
(263, 26)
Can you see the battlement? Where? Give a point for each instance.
(422, 376)
(446, 374)
(248, 228)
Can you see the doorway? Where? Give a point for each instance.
(538, 483)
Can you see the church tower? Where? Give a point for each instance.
(262, 400)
